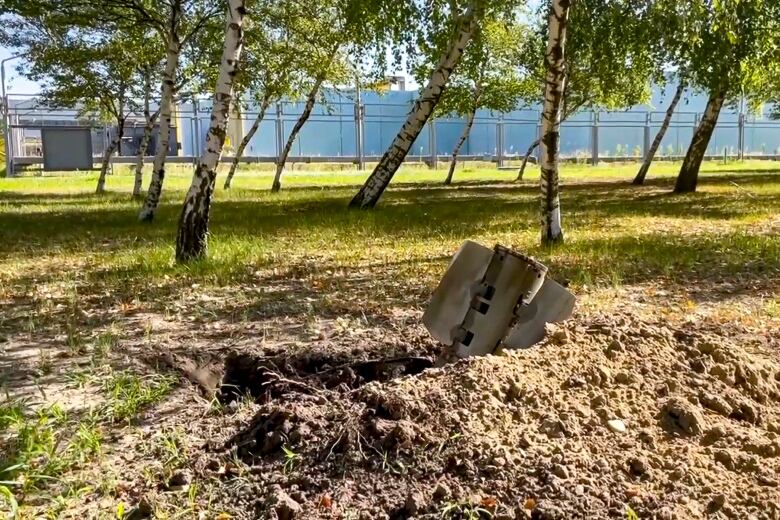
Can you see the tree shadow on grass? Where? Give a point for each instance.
(421, 213)
(334, 288)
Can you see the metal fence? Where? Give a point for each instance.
(347, 132)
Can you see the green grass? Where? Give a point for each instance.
(80, 268)
(59, 237)
(40, 447)
(129, 393)
(259, 177)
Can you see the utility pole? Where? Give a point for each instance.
(6, 116)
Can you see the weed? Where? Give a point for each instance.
(631, 514)
(291, 459)
(772, 308)
(45, 364)
(169, 448)
(390, 466)
(73, 339)
(192, 496)
(128, 393)
(40, 447)
(78, 378)
(464, 511)
(452, 438)
(87, 441)
(6, 495)
(104, 344)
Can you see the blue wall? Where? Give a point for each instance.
(331, 128)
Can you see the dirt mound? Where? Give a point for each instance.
(609, 413)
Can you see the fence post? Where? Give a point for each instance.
(646, 140)
(11, 149)
(279, 132)
(434, 157)
(359, 115)
(500, 141)
(741, 136)
(539, 136)
(196, 124)
(6, 132)
(594, 139)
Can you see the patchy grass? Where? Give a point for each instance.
(616, 233)
(129, 393)
(84, 287)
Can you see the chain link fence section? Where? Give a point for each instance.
(343, 131)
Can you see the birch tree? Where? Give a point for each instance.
(192, 237)
(488, 77)
(272, 70)
(612, 58)
(552, 231)
(150, 118)
(464, 24)
(727, 49)
(325, 41)
(177, 22)
(91, 74)
(325, 70)
(659, 136)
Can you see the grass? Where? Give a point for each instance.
(609, 226)
(41, 446)
(76, 269)
(129, 393)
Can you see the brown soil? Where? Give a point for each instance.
(533, 433)
(627, 410)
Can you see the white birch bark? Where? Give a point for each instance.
(149, 120)
(688, 177)
(139, 158)
(192, 237)
(107, 154)
(380, 178)
(281, 161)
(245, 142)
(149, 208)
(551, 121)
(642, 173)
(459, 145)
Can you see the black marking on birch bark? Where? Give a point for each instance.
(377, 182)
(687, 179)
(642, 173)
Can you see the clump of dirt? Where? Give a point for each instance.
(608, 413)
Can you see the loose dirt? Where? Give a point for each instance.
(610, 416)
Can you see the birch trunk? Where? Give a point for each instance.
(689, 171)
(109, 152)
(139, 158)
(640, 176)
(149, 208)
(281, 161)
(245, 142)
(552, 231)
(380, 178)
(567, 112)
(459, 145)
(527, 156)
(192, 237)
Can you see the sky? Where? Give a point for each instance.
(13, 83)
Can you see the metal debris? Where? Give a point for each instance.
(494, 298)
